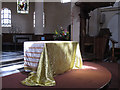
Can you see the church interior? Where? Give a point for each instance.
(94, 25)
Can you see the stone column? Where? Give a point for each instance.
(0, 29)
(39, 29)
(118, 26)
(0, 42)
(75, 24)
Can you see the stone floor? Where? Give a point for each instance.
(11, 62)
(11, 56)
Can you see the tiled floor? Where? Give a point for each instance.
(11, 62)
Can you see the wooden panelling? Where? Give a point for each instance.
(15, 41)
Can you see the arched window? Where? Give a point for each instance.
(6, 17)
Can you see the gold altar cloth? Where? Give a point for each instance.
(56, 58)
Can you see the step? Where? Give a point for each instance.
(13, 63)
(11, 68)
(3, 59)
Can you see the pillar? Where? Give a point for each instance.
(0, 29)
(39, 29)
(0, 42)
(118, 26)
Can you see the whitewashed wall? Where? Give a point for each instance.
(75, 19)
(22, 21)
(0, 17)
(0, 29)
(0, 44)
(112, 22)
(119, 27)
(94, 22)
(56, 15)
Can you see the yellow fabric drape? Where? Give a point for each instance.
(56, 58)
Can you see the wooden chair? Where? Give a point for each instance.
(113, 50)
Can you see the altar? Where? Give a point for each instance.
(49, 58)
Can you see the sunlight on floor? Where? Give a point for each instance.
(10, 68)
(88, 67)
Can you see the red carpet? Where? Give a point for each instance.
(114, 69)
(70, 79)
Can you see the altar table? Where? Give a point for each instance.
(49, 58)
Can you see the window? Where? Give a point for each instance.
(22, 6)
(65, 1)
(34, 19)
(5, 17)
(43, 19)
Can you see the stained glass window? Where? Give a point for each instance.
(6, 17)
(22, 6)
